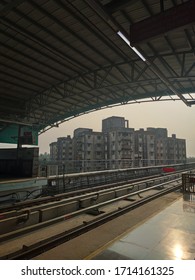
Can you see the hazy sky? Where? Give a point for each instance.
(173, 115)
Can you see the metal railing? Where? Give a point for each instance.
(188, 183)
(49, 168)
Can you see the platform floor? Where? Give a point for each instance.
(161, 229)
(169, 235)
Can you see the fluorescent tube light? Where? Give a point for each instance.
(138, 53)
(124, 38)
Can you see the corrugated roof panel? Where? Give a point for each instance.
(178, 40)
(24, 7)
(137, 11)
(50, 42)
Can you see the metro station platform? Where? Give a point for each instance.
(163, 229)
(169, 235)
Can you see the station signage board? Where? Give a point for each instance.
(9, 134)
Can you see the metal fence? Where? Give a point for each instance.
(50, 168)
(188, 183)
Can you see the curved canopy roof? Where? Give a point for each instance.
(63, 58)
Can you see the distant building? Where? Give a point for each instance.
(65, 148)
(149, 148)
(113, 123)
(176, 150)
(89, 150)
(119, 143)
(117, 146)
(62, 152)
(139, 148)
(53, 151)
(159, 146)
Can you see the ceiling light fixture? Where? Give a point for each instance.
(128, 43)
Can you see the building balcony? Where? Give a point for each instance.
(126, 147)
(126, 157)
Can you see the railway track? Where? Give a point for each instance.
(65, 185)
(143, 195)
(57, 197)
(43, 200)
(16, 222)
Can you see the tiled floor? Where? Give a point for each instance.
(169, 235)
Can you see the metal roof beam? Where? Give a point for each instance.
(22, 80)
(190, 69)
(175, 17)
(49, 66)
(99, 34)
(147, 7)
(162, 60)
(189, 39)
(170, 45)
(37, 70)
(24, 73)
(8, 7)
(54, 19)
(117, 27)
(15, 84)
(39, 41)
(155, 69)
(116, 5)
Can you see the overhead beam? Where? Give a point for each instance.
(170, 19)
(8, 7)
(116, 5)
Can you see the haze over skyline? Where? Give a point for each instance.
(173, 115)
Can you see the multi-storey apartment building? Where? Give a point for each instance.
(62, 152)
(114, 123)
(139, 148)
(53, 151)
(176, 149)
(159, 145)
(119, 143)
(119, 149)
(117, 146)
(181, 150)
(65, 148)
(89, 149)
(149, 148)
